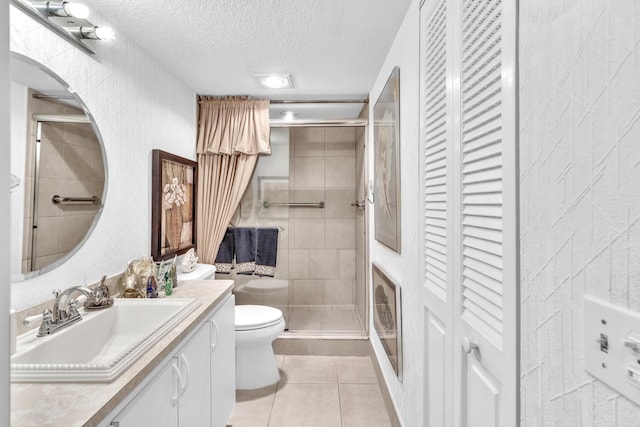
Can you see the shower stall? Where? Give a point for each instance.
(312, 188)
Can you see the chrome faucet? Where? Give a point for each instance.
(65, 310)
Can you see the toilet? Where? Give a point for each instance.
(256, 328)
(271, 292)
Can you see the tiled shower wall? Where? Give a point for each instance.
(71, 164)
(580, 199)
(322, 241)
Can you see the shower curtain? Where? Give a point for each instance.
(232, 132)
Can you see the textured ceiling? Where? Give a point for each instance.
(331, 48)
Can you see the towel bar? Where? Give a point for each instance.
(320, 205)
(61, 200)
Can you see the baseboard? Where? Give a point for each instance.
(384, 389)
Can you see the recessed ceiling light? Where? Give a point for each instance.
(274, 81)
(288, 115)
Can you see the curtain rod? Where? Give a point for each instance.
(282, 123)
(319, 101)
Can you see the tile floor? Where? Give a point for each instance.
(315, 391)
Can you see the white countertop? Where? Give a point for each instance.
(87, 404)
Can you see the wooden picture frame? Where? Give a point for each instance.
(386, 144)
(173, 205)
(387, 316)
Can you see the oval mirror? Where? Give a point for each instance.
(58, 170)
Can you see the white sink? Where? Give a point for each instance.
(100, 346)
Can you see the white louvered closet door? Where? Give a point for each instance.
(468, 119)
(436, 158)
(485, 250)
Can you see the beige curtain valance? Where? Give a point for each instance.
(233, 125)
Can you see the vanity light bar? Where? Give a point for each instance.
(66, 19)
(61, 8)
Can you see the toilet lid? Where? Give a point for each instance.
(256, 316)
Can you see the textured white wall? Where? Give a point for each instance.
(404, 268)
(137, 106)
(580, 198)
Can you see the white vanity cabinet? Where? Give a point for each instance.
(196, 386)
(194, 380)
(153, 406)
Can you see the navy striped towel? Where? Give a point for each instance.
(266, 251)
(224, 259)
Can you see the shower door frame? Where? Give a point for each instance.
(40, 120)
(354, 123)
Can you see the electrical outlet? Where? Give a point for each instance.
(612, 346)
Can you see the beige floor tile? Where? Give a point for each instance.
(355, 370)
(310, 405)
(253, 407)
(355, 401)
(309, 369)
(362, 406)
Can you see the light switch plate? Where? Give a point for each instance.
(606, 328)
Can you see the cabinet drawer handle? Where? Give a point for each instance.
(177, 395)
(188, 369)
(214, 333)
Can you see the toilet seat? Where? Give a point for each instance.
(251, 317)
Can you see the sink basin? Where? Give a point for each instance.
(100, 346)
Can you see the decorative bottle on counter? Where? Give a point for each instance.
(168, 285)
(152, 287)
(173, 273)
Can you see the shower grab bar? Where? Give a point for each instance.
(320, 205)
(61, 200)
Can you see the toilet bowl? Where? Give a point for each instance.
(256, 328)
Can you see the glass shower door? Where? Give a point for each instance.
(265, 204)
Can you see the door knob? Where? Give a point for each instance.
(358, 204)
(468, 345)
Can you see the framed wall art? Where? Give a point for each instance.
(386, 141)
(387, 317)
(173, 210)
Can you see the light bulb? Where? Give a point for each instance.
(104, 33)
(76, 10)
(275, 82)
(288, 115)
